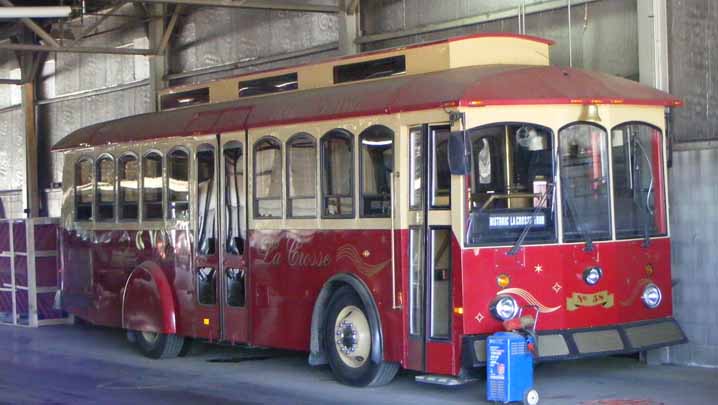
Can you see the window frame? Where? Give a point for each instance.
(414, 203)
(225, 225)
(609, 181)
(664, 178)
(78, 161)
(120, 205)
(200, 148)
(557, 237)
(96, 200)
(360, 155)
(431, 186)
(338, 132)
(288, 171)
(163, 197)
(255, 199)
(166, 182)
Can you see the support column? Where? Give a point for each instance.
(349, 29)
(32, 191)
(159, 63)
(653, 43)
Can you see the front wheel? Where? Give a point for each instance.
(158, 345)
(531, 397)
(348, 342)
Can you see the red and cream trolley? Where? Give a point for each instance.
(379, 211)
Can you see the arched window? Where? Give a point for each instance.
(337, 150)
(377, 163)
(301, 176)
(267, 178)
(128, 172)
(234, 196)
(178, 184)
(83, 190)
(583, 154)
(638, 180)
(152, 186)
(105, 189)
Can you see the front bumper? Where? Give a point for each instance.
(580, 343)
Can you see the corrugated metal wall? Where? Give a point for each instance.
(693, 49)
(604, 33)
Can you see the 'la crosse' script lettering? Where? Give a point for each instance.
(296, 257)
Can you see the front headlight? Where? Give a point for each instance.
(592, 275)
(652, 296)
(504, 307)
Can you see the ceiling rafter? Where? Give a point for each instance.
(255, 4)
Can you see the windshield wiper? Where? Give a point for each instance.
(646, 209)
(517, 245)
(572, 212)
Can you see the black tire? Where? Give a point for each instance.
(368, 373)
(162, 346)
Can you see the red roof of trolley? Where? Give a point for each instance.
(474, 86)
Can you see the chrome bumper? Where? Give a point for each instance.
(579, 343)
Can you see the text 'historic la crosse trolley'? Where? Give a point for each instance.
(379, 211)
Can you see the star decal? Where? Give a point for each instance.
(538, 268)
(556, 287)
(479, 317)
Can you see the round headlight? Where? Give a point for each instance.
(592, 275)
(504, 307)
(652, 296)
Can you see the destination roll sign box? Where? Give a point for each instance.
(506, 221)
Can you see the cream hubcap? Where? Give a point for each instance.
(150, 337)
(352, 336)
(532, 397)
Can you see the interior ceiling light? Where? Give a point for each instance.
(35, 12)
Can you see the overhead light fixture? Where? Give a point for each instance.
(35, 12)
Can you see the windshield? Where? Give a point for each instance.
(511, 184)
(638, 181)
(583, 151)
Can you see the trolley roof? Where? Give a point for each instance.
(472, 86)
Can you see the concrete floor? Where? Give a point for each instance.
(83, 365)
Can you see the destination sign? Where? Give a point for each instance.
(516, 220)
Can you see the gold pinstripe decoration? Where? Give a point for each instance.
(530, 299)
(353, 256)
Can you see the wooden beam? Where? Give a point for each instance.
(255, 4)
(168, 31)
(102, 19)
(34, 27)
(32, 189)
(74, 49)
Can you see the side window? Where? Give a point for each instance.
(178, 184)
(83, 190)
(105, 188)
(267, 178)
(377, 163)
(302, 176)
(337, 149)
(129, 174)
(206, 201)
(235, 230)
(152, 186)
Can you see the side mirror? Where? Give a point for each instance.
(458, 162)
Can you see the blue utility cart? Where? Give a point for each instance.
(509, 369)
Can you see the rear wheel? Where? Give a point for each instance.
(159, 345)
(348, 342)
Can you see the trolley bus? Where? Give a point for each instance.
(384, 210)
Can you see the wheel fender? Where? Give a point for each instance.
(317, 356)
(148, 303)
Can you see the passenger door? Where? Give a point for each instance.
(429, 220)
(234, 277)
(206, 246)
